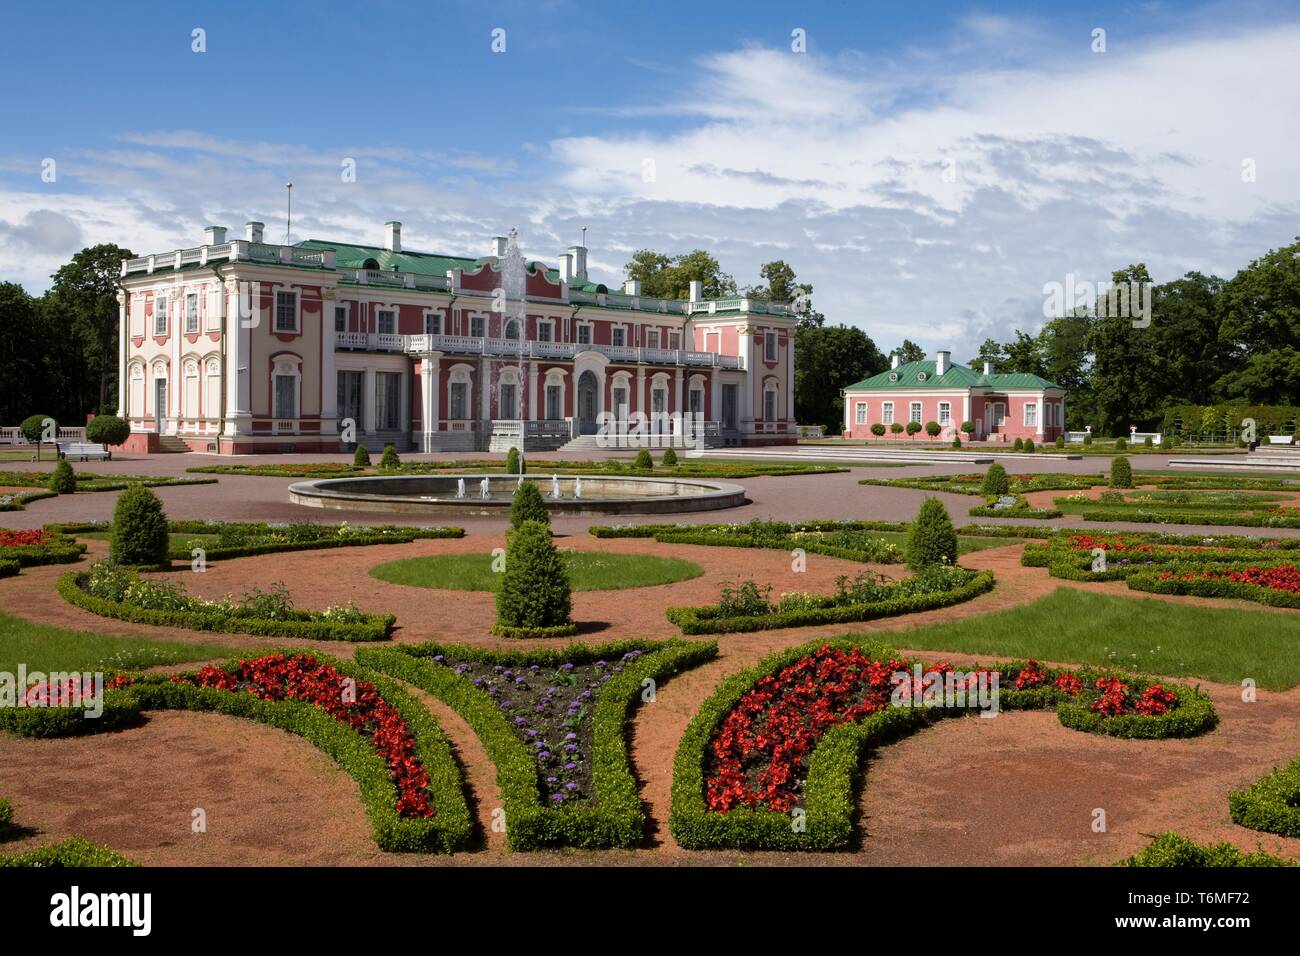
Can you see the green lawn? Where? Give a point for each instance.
(1149, 636)
(588, 571)
(44, 648)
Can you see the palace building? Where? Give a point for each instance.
(239, 345)
(1001, 406)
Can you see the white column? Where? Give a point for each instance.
(679, 408)
(789, 381)
(746, 409)
(123, 343)
(368, 401)
(238, 380)
(715, 395)
(329, 384)
(175, 322)
(1042, 413)
(531, 411)
(426, 403)
(642, 403)
(484, 389)
(965, 410)
(433, 408)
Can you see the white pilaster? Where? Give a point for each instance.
(329, 384)
(531, 412)
(123, 344)
(368, 402)
(1042, 414)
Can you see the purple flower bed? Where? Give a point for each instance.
(550, 709)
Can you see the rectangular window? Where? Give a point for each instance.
(476, 324)
(459, 401)
(351, 385)
(192, 312)
(620, 336)
(1031, 414)
(945, 413)
(584, 334)
(652, 338)
(620, 403)
(769, 405)
(697, 401)
(674, 340)
(887, 413)
(554, 407)
(433, 323)
(385, 321)
(340, 318)
(286, 312)
(861, 413)
(160, 315)
(916, 412)
(544, 331)
(769, 347)
(284, 397)
(388, 398)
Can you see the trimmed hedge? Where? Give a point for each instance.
(62, 551)
(139, 532)
(1152, 582)
(8, 568)
(303, 624)
(62, 480)
(616, 817)
(1173, 849)
(705, 619)
(1270, 804)
(535, 599)
(1195, 714)
(1021, 509)
(121, 709)
(75, 852)
(835, 765)
(931, 539)
(6, 814)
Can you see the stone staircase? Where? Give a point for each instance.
(171, 444)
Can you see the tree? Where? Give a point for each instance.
(990, 351)
(33, 428)
(932, 539)
(527, 505)
(139, 532)
(665, 277)
(909, 351)
(995, 481)
(933, 428)
(1025, 355)
(535, 593)
(1259, 336)
(781, 285)
(21, 350)
(87, 289)
(828, 358)
(108, 430)
(1124, 390)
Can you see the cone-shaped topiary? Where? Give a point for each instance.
(643, 461)
(63, 481)
(527, 505)
(1018, 444)
(1121, 472)
(1060, 441)
(390, 461)
(139, 535)
(670, 457)
(1030, 448)
(515, 462)
(956, 441)
(932, 540)
(995, 481)
(361, 457)
(1121, 444)
(534, 591)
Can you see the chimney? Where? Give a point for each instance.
(632, 286)
(393, 236)
(579, 254)
(697, 290)
(253, 231)
(214, 236)
(893, 360)
(941, 363)
(565, 265)
(499, 246)
(988, 368)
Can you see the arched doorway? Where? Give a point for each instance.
(588, 406)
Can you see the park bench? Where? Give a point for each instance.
(83, 449)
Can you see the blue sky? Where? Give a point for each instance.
(929, 166)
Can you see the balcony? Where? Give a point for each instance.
(236, 250)
(514, 348)
(369, 341)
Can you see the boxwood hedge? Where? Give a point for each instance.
(75, 852)
(1271, 804)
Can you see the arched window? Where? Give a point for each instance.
(512, 329)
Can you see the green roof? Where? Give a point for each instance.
(348, 255)
(921, 375)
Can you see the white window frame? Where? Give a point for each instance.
(860, 413)
(887, 413)
(769, 347)
(546, 330)
(945, 413)
(297, 311)
(652, 338)
(191, 312)
(478, 322)
(770, 398)
(432, 322)
(914, 412)
(674, 340)
(1031, 414)
(160, 306)
(347, 314)
(583, 328)
(615, 334)
(379, 321)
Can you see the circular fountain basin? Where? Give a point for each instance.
(437, 494)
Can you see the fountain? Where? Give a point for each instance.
(460, 487)
(520, 483)
(555, 487)
(577, 487)
(484, 489)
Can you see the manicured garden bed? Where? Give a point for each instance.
(588, 571)
(85, 482)
(553, 722)
(1207, 507)
(118, 593)
(1271, 804)
(32, 548)
(772, 758)
(1173, 850)
(386, 741)
(72, 853)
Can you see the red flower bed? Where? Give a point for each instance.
(301, 677)
(1283, 578)
(26, 539)
(73, 692)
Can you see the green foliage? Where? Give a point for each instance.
(535, 592)
(139, 534)
(1087, 438)
(1173, 850)
(913, 428)
(932, 429)
(527, 505)
(956, 442)
(643, 461)
(1060, 441)
(669, 277)
(995, 481)
(33, 428)
(932, 539)
(896, 428)
(1121, 444)
(1029, 447)
(390, 460)
(1121, 472)
(515, 464)
(1019, 444)
(72, 853)
(6, 814)
(62, 480)
(1271, 804)
(968, 428)
(361, 457)
(108, 430)
(878, 430)
(669, 457)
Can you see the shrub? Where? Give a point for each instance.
(1121, 444)
(1019, 444)
(535, 594)
(361, 457)
(968, 428)
(75, 852)
(995, 481)
(932, 540)
(139, 535)
(108, 430)
(1147, 442)
(1087, 438)
(956, 442)
(1166, 441)
(527, 505)
(896, 428)
(390, 461)
(514, 462)
(932, 429)
(33, 429)
(1121, 472)
(913, 428)
(1271, 804)
(63, 481)
(670, 457)
(746, 598)
(6, 814)
(1029, 448)
(1172, 849)
(643, 461)
(878, 430)
(1060, 441)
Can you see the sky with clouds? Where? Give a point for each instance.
(928, 167)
